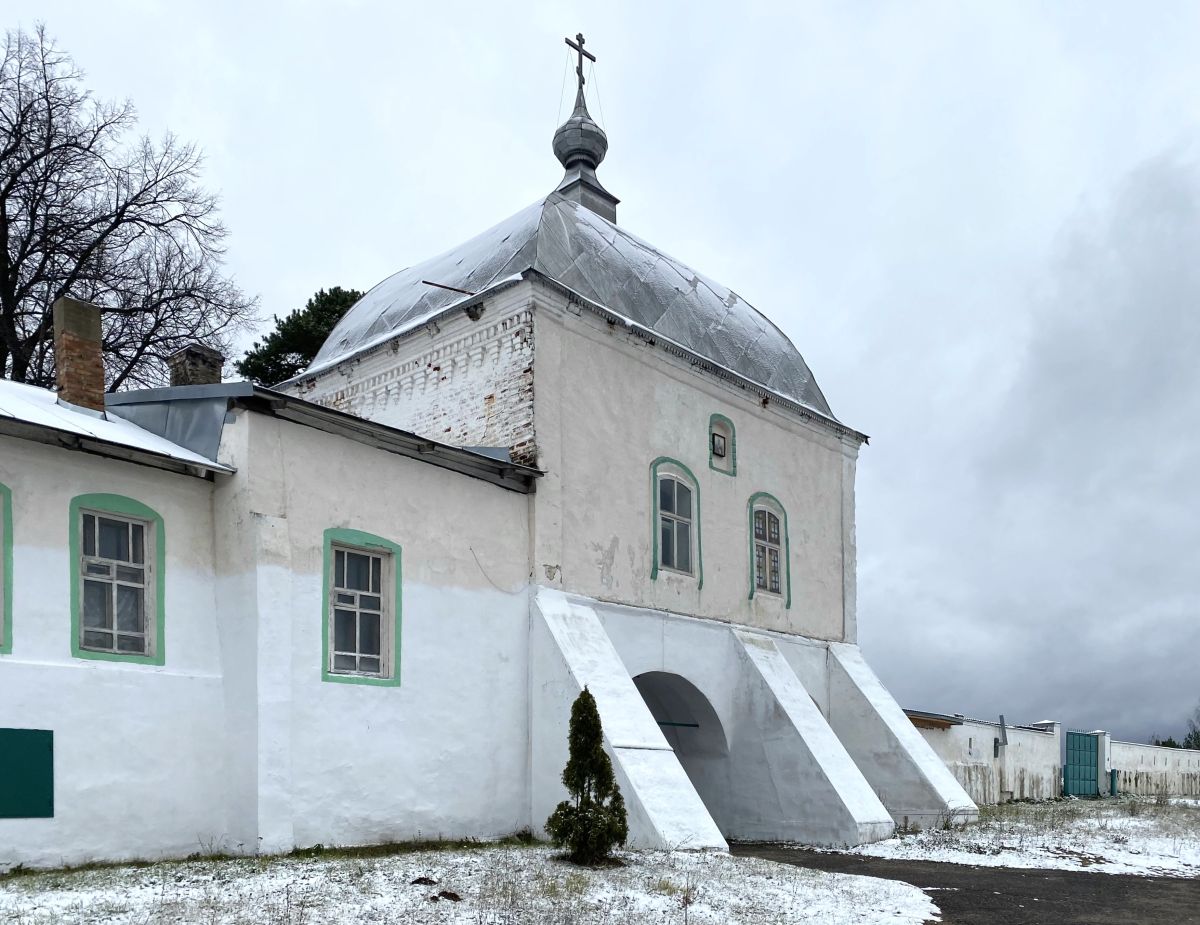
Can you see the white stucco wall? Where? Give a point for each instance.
(1150, 770)
(911, 780)
(778, 753)
(138, 750)
(606, 406)
(445, 752)
(1028, 768)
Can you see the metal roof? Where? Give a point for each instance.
(195, 416)
(568, 243)
(33, 413)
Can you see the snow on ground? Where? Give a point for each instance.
(497, 886)
(1122, 836)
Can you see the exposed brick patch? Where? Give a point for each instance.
(468, 383)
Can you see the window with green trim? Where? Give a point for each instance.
(118, 589)
(6, 566)
(118, 555)
(770, 551)
(722, 445)
(675, 520)
(675, 524)
(361, 622)
(766, 550)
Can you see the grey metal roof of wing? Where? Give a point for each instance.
(571, 237)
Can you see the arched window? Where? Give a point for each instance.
(676, 539)
(722, 445)
(770, 571)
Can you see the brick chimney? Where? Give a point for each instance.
(196, 364)
(78, 354)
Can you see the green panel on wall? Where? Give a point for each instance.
(26, 774)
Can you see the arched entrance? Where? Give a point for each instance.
(693, 730)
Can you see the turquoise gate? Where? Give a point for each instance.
(1081, 767)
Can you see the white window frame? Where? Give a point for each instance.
(89, 565)
(674, 520)
(766, 545)
(339, 599)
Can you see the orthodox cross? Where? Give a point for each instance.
(582, 54)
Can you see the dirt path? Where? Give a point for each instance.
(1007, 896)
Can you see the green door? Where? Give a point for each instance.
(1079, 773)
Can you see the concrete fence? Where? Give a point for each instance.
(1151, 770)
(1028, 767)
(996, 763)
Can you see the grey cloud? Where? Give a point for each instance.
(1068, 570)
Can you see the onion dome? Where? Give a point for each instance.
(580, 140)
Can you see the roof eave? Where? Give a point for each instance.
(696, 359)
(70, 440)
(508, 475)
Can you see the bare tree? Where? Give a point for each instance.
(86, 212)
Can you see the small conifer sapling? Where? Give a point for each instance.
(592, 822)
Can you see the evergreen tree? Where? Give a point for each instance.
(290, 348)
(1192, 739)
(592, 822)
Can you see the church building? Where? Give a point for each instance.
(357, 607)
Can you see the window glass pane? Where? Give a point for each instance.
(368, 633)
(760, 566)
(774, 560)
(760, 525)
(114, 539)
(89, 535)
(343, 630)
(97, 604)
(137, 531)
(131, 644)
(135, 575)
(683, 546)
(666, 548)
(346, 598)
(376, 569)
(368, 602)
(358, 572)
(344, 662)
(666, 495)
(129, 610)
(339, 569)
(773, 531)
(369, 664)
(97, 640)
(97, 568)
(683, 500)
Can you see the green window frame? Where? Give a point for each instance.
(762, 500)
(679, 470)
(717, 422)
(156, 537)
(6, 569)
(391, 581)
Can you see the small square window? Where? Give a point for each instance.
(722, 445)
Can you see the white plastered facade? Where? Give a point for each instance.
(511, 603)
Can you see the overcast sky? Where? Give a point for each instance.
(980, 223)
